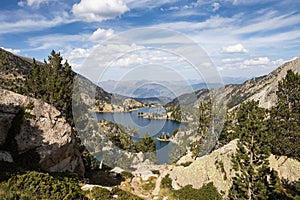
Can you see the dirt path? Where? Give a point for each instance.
(136, 190)
(156, 190)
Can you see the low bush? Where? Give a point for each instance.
(45, 186)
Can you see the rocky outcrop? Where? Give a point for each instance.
(41, 128)
(130, 104)
(216, 167)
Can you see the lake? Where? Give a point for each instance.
(155, 127)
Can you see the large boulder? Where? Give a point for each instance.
(216, 167)
(42, 129)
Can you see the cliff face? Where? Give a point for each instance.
(33, 125)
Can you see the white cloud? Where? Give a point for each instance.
(33, 3)
(76, 56)
(99, 10)
(269, 22)
(237, 48)
(147, 3)
(55, 41)
(258, 61)
(14, 51)
(249, 68)
(33, 24)
(216, 6)
(101, 34)
(231, 60)
(262, 61)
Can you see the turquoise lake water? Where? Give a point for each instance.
(155, 127)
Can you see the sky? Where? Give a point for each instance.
(241, 38)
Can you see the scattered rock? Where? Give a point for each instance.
(6, 157)
(117, 170)
(89, 187)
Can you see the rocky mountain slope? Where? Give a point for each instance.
(29, 126)
(262, 89)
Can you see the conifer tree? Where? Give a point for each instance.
(52, 82)
(203, 114)
(285, 117)
(251, 158)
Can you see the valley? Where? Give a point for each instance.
(103, 145)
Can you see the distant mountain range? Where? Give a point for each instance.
(160, 89)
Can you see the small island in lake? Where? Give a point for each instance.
(164, 137)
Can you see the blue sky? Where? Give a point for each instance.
(242, 38)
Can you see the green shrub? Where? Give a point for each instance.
(126, 175)
(7, 193)
(99, 193)
(45, 186)
(166, 182)
(186, 164)
(207, 192)
(155, 171)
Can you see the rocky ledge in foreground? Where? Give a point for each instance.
(29, 126)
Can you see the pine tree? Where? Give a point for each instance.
(52, 82)
(198, 147)
(285, 117)
(251, 158)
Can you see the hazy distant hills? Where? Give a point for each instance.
(142, 89)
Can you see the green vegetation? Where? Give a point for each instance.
(175, 132)
(186, 164)
(220, 166)
(147, 144)
(254, 179)
(206, 192)
(285, 117)
(7, 193)
(52, 83)
(40, 185)
(176, 113)
(202, 124)
(251, 158)
(117, 135)
(99, 193)
(228, 132)
(155, 172)
(126, 175)
(148, 185)
(4, 64)
(283, 120)
(166, 182)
